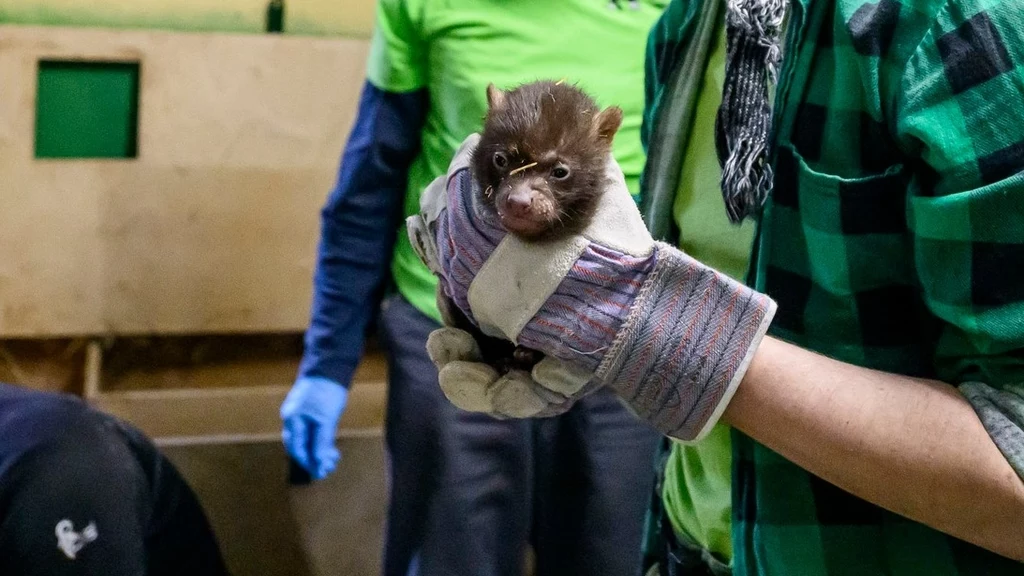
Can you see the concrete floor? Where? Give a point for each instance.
(268, 528)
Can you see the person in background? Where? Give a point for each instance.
(468, 492)
(878, 427)
(84, 494)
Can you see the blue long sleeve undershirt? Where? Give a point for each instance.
(359, 222)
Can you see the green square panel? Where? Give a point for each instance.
(87, 110)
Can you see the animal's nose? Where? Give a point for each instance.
(519, 202)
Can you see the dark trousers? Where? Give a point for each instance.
(469, 492)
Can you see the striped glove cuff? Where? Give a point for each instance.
(686, 345)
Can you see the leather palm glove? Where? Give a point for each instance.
(607, 307)
(550, 389)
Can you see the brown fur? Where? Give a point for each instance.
(556, 126)
(550, 125)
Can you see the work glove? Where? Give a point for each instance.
(608, 307)
(310, 414)
(549, 389)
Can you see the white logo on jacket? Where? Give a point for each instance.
(71, 542)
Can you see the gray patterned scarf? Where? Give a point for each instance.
(743, 125)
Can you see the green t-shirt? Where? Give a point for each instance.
(697, 486)
(454, 48)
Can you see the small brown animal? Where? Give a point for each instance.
(541, 157)
(540, 164)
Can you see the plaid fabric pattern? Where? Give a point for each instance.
(893, 239)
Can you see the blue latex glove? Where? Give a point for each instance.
(310, 415)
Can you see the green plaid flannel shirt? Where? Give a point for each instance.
(893, 239)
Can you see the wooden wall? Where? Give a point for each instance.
(213, 227)
(169, 289)
(352, 18)
(211, 230)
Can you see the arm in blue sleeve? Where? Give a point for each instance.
(359, 223)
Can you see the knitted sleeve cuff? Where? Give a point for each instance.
(686, 345)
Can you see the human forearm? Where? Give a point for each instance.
(913, 446)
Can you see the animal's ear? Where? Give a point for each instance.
(608, 122)
(495, 97)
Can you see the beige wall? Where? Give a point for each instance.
(213, 227)
(353, 18)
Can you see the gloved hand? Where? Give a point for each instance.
(310, 414)
(551, 388)
(670, 335)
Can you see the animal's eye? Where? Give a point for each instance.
(560, 173)
(500, 160)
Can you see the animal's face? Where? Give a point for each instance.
(541, 157)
